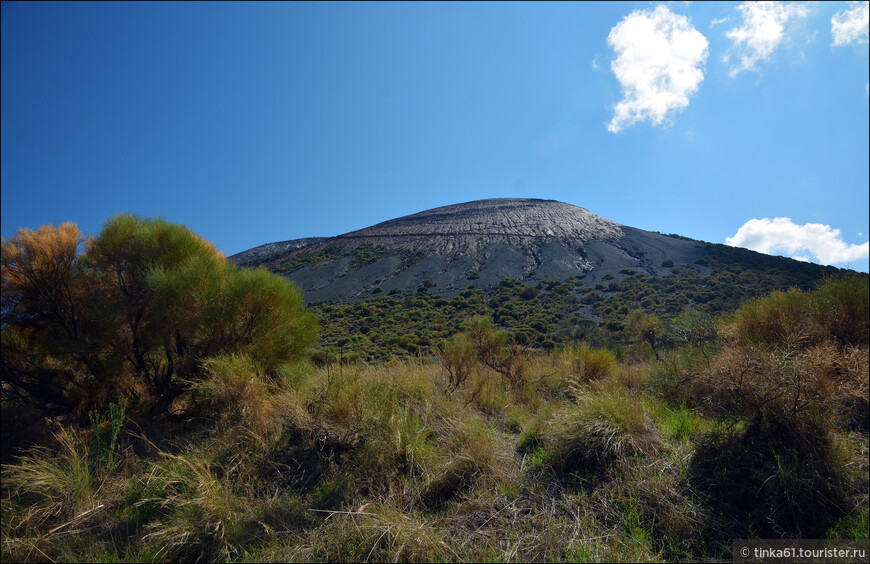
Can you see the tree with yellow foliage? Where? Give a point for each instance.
(134, 312)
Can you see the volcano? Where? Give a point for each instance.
(479, 244)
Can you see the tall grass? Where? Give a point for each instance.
(608, 424)
(235, 389)
(585, 458)
(52, 492)
(673, 377)
(61, 482)
(204, 521)
(586, 364)
(377, 534)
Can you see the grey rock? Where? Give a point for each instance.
(475, 244)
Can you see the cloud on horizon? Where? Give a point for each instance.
(809, 242)
(659, 63)
(852, 25)
(761, 32)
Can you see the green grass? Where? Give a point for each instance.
(679, 423)
(390, 462)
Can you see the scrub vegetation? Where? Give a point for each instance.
(160, 404)
(551, 314)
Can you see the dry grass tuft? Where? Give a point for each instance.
(608, 424)
(377, 534)
(52, 495)
(205, 519)
(587, 364)
(236, 390)
(61, 483)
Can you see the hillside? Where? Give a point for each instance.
(550, 272)
(476, 244)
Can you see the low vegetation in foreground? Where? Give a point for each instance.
(176, 417)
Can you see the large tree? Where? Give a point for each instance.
(135, 313)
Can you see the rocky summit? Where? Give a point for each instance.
(476, 244)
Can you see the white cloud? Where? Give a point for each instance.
(801, 242)
(761, 32)
(716, 21)
(659, 63)
(852, 25)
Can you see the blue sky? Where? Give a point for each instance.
(253, 123)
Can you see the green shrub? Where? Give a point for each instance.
(792, 388)
(458, 359)
(777, 319)
(592, 297)
(528, 292)
(491, 348)
(772, 480)
(791, 377)
(135, 314)
(841, 308)
(696, 329)
(647, 329)
(673, 376)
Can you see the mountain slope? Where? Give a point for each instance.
(476, 244)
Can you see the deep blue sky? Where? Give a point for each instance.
(253, 123)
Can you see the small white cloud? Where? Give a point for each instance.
(852, 25)
(594, 65)
(714, 22)
(801, 242)
(659, 63)
(761, 32)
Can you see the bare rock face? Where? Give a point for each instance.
(476, 243)
(502, 218)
